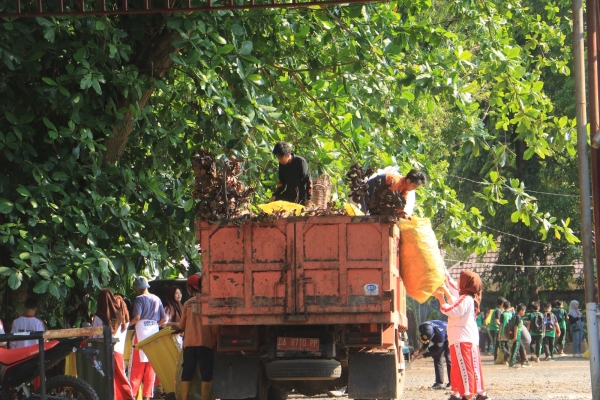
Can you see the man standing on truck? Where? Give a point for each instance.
(405, 185)
(295, 184)
(432, 335)
(148, 315)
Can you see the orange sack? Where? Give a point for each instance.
(421, 265)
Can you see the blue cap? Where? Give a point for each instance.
(141, 282)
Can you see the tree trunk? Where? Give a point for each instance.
(157, 60)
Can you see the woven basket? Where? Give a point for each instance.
(321, 191)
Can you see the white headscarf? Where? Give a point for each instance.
(574, 312)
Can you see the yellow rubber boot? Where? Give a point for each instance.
(206, 391)
(185, 390)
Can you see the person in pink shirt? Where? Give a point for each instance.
(461, 304)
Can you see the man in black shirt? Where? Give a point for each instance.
(295, 184)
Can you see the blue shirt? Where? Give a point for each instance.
(148, 306)
(436, 344)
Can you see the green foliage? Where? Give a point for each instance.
(419, 84)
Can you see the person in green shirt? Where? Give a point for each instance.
(485, 339)
(561, 316)
(535, 325)
(504, 320)
(516, 324)
(551, 330)
(494, 325)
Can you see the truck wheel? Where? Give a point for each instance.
(300, 370)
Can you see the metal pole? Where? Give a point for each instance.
(584, 186)
(109, 362)
(42, 359)
(592, 54)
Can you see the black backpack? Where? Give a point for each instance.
(559, 313)
(537, 324)
(549, 322)
(509, 331)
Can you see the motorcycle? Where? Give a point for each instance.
(19, 367)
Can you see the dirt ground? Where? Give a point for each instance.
(566, 378)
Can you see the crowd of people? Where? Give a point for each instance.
(147, 317)
(506, 332)
(510, 333)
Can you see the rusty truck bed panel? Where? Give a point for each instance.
(314, 270)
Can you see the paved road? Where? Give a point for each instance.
(567, 378)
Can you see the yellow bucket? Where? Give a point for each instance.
(162, 353)
(128, 345)
(71, 365)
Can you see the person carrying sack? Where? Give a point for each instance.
(460, 302)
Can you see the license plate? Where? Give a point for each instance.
(300, 344)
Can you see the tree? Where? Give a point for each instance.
(100, 118)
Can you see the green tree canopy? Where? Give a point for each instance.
(100, 117)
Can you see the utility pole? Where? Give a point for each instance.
(584, 169)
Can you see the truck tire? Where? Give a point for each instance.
(301, 370)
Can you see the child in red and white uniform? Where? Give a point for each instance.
(27, 323)
(112, 311)
(461, 307)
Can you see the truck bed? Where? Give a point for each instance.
(301, 270)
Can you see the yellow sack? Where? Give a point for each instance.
(421, 265)
(280, 205)
(352, 210)
(586, 354)
(500, 357)
(488, 318)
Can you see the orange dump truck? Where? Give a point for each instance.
(311, 304)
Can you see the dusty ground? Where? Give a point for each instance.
(567, 378)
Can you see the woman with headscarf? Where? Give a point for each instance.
(461, 304)
(576, 327)
(112, 311)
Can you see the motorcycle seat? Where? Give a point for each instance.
(12, 356)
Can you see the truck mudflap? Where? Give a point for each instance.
(374, 376)
(235, 376)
